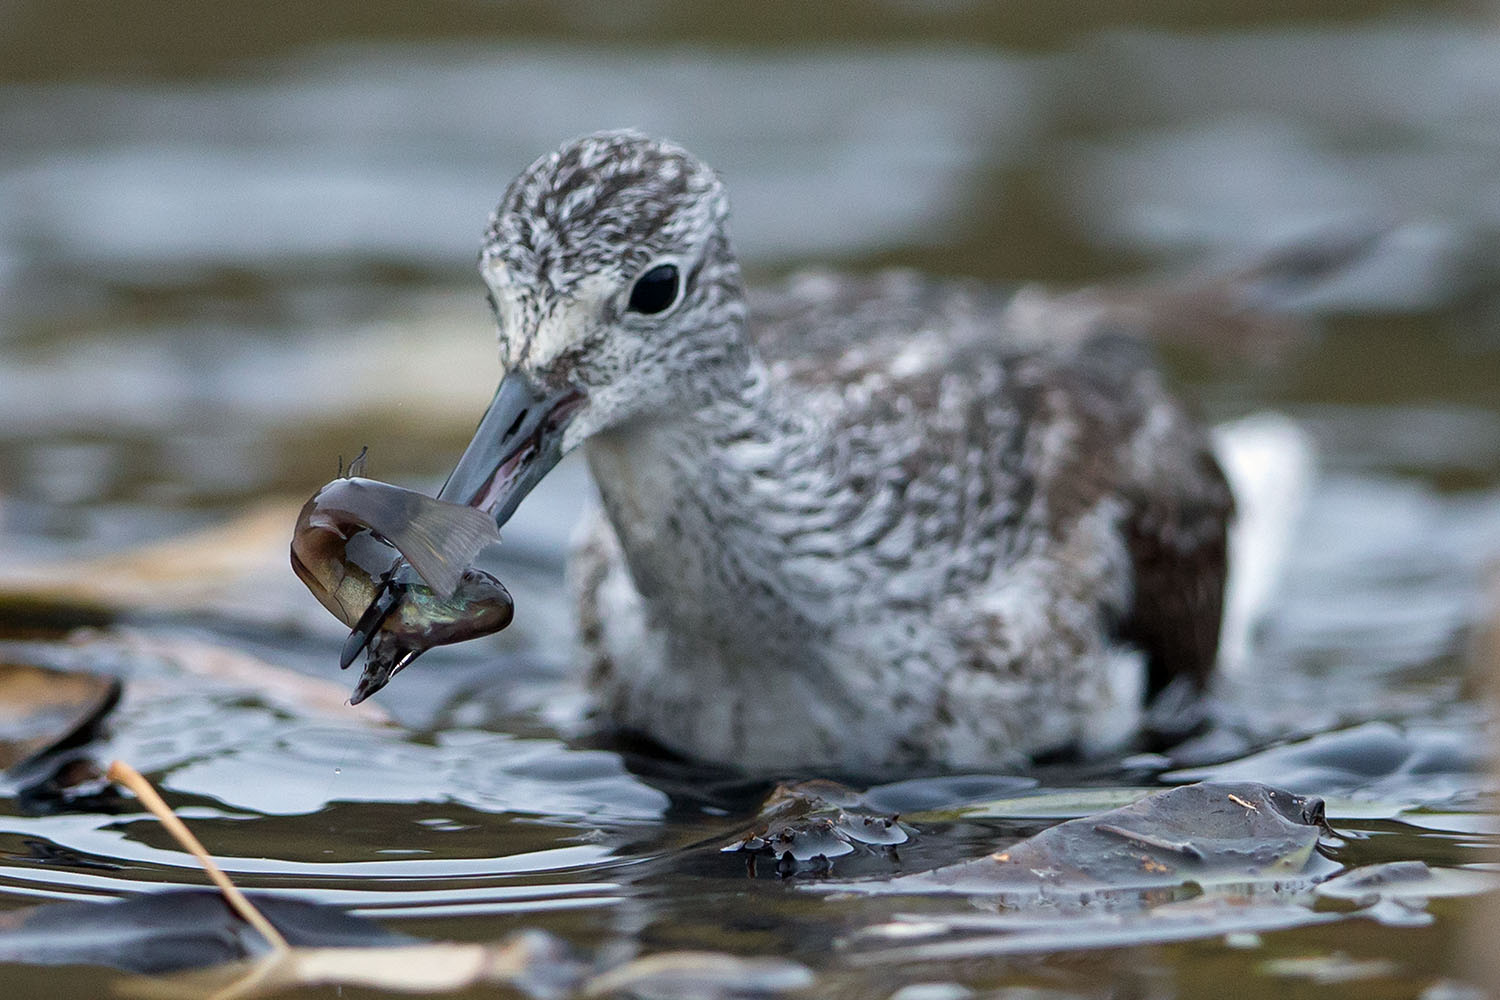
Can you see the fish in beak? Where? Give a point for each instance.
(518, 441)
(343, 544)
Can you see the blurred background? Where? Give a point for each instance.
(237, 243)
(206, 213)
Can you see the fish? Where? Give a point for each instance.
(348, 536)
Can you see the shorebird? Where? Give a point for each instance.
(868, 524)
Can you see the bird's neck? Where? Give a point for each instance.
(698, 498)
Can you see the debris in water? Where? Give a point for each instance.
(1201, 834)
(1198, 861)
(805, 825)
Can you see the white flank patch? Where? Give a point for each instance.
(1271, 465)
(1113, 724)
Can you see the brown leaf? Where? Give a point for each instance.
(41, 709)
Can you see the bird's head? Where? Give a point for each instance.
(616, 295)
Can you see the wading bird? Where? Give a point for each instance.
(864, 524)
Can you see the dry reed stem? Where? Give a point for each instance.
(123, 774)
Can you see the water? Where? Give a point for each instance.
(228, 258)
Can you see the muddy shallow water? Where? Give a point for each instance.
(223, 266)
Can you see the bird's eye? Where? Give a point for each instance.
(655, 291)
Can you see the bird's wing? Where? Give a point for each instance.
(1178, 552)
(1178, 506)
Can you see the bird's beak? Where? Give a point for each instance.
(518, 441)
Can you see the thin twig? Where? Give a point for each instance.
(1151, 840)
(122, 773)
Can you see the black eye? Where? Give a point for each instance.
(655, 291)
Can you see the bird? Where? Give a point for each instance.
(864, 524)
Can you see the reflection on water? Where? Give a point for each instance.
(213, 286)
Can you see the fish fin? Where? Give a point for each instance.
(440, 541)
(438, 538)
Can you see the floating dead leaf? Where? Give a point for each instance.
(1201, 834)
(1200, 861)
(1194, 862)
(42, 710)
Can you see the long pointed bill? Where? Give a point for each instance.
(518, 441)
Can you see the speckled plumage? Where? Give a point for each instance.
(864, 524)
